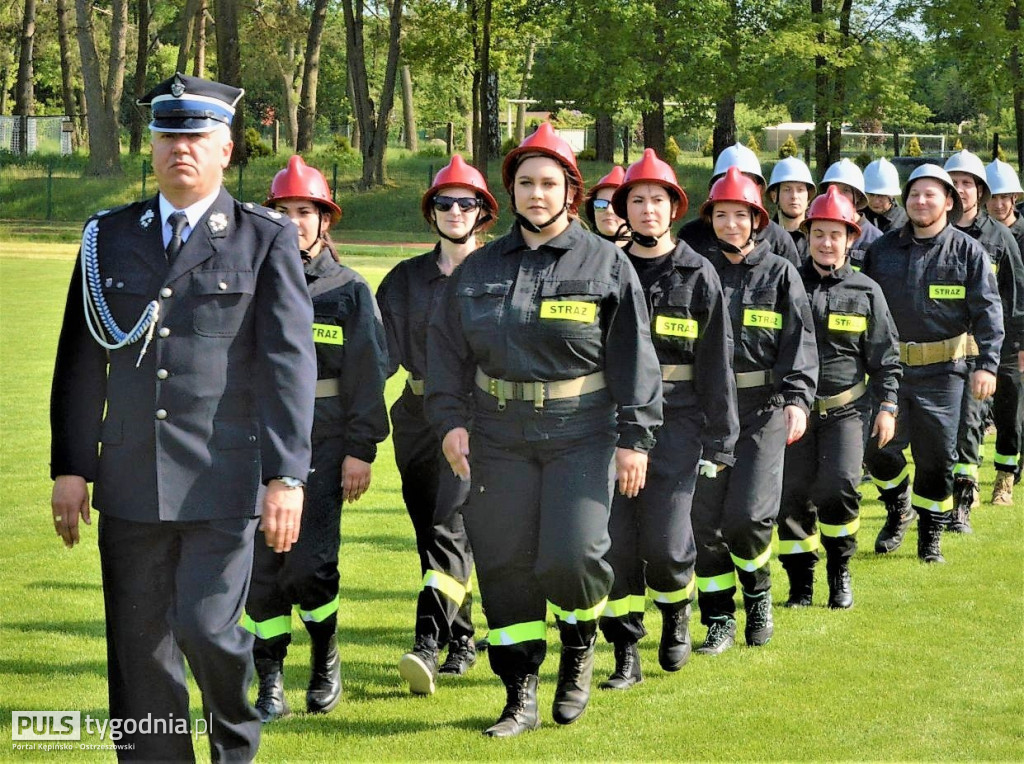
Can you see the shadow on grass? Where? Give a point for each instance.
(389, 543)
(76, 585)
(67, 669)
(95, 628)
(319, 725)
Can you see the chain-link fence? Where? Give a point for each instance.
(36, 135)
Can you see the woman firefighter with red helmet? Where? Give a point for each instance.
(599, 212)
(457, 206)
(350, 419)
(652, 539)
(518, 346)
(775, 366)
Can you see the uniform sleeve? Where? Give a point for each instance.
(882, 354)
(286, 358)
(78, 391)
(364, 376)
(985, 307)
(386, 296)
(1010, 281)
(796, 368)
(632, 370)
(449, 381)
(715, 383)
(787, 249)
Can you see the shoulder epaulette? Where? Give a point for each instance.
(112, 211)
(265, 212)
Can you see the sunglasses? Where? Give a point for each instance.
(466, 203)
(602, 205)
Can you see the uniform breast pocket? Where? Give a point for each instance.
(847, 315)
(222, 300)
(127, 296)
(483, 304)
(570, 308)
(945, 286)
(760, 313)
(676, 322)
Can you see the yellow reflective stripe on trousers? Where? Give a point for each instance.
(268, 629)
(517, 633)
(749, 566)
(718, 583)
(1006, 460)
(670, 598)
(884, 484)
(620, 608)
(580, 614)
(838, 531)
(322, 613)
(970, 470)
(931, 505)
(799, 546)
(448, 586)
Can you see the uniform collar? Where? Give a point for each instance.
(565, 241)
(837, 275)
(321, 265)
(194, 212)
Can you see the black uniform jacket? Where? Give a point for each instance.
(690, 326)
(771, 322)
(939, 288)
(407, 296)
(869, 233)
(894, 217)
(570, 308)
(855, 331)
(222, 399)
(350, 346)
(700, 235)
(1004, 252)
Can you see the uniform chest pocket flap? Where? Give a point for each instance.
(222, 299)
(848, 313)
(946, 280)
(759, 311)
(483, 301)
(573, 300)
(133, 284)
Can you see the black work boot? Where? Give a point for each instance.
(720, 637)
(324, 689)
(270, 702)
(419, 667)
(929, 538)
(899, 516)
(674, 649)
(840, 591)
(801, 579)
(575, 670)
(965, 494)
(627, 668)
(520, 712)
(461, 656)
(760, 626)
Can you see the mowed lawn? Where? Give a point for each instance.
(926, 666)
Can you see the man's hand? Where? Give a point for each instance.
(630, 471)
(355, 478)
(983, 384)
(456, 451)
(1020, 361)
(69, 501)
(885, 428)
(282, 515)
(796, 423)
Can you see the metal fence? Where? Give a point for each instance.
(32, 135)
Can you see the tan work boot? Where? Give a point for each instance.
(1002, 491)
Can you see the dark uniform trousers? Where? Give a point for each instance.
(929, 406)
(652, 535)
(434, 497)
(537, 518)
(1006, 411)
(820, 480)
(734, 513)
(971, 431)
(144, 567)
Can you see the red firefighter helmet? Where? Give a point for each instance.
(300, 181)
(544, 142)
(833, 206)
(650, 169)
(459, 172)
(734, 186)
(612, 180)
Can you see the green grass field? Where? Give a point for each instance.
(926, 666)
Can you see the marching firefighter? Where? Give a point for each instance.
(519, 345)
(882, 188)
(856, 339)
(775, 366)
(969, 177)
(652, 537)
(849, 181)
(458, 205)
(349, 420)
(599, 212)
(791, 189)
(939, 284)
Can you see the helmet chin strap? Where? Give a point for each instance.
(619, 235)
(459, 239)
(533, 227)
(730, 248)
(647, 241)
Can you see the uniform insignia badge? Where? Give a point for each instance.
(146, 219)
(274, 214)
(109, 283)
(249, 205)
(218, 222)
(177, 89)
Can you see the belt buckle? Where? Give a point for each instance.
(538, 394)
(910, 352)
(496, 389)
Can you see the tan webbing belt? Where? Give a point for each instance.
(328, 388)
(677, 372)
(822, 405)
(415, 385)
(972, 346)
(746, 379)
(538, 392)
(940, 351)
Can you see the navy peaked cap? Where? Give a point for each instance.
(184, 104)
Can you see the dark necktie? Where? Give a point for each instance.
(178, 221)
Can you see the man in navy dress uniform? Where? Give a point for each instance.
(183, 390)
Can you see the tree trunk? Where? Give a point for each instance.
(822, 90)
(412, 142)
(199, 62)
(1015, 65)
(835, 140)
(524, 92)
(139, 83)
(357, 133)
(493, 123)
(310, 77)
(654, 125)
(24, 95)
(488, 103)
(103, 99)
(67, 90)
(604, 137)
(229, 69)
(189, 18)
(291, 103)
(725, 125)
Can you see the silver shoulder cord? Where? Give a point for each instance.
(97, 313)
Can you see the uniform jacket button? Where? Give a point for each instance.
(166, 292)
(161, 374)
(222, 286)
(164, 331)
(161, 413)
